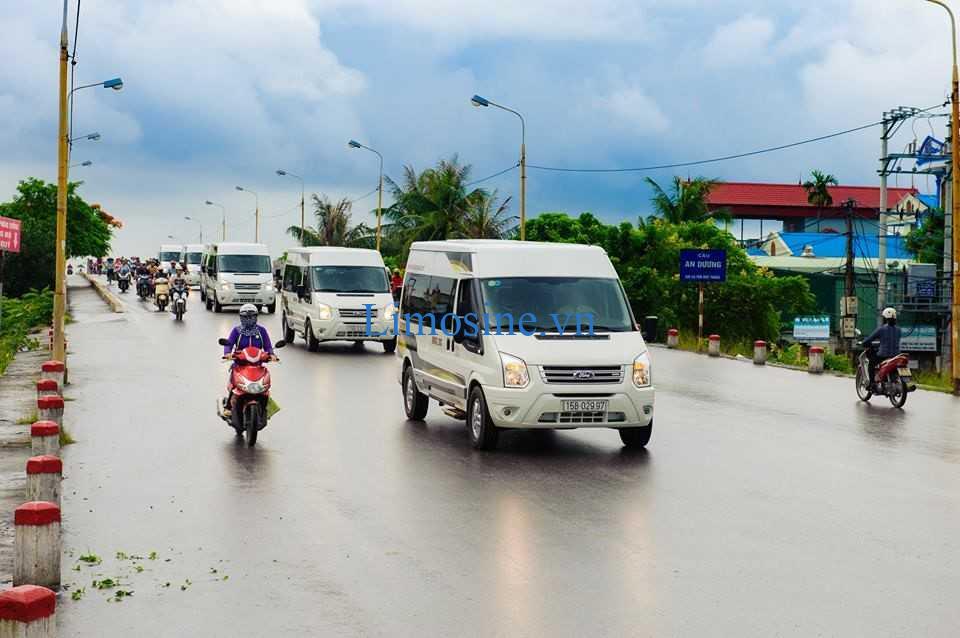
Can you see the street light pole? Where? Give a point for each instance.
(199, 223)
(60, 274)
(223, 219)
(356, 144)
(955, 182)
(476, 100)
(303, 214)
(256, 198)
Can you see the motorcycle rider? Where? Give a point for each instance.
(179, 284)
(888, 333)
(248, 333)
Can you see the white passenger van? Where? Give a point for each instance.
(168, 253)
(192, 254)
(337, 294)
(552, 372)
(236, 274)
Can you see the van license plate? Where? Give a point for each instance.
(246, 300)
(584, 405)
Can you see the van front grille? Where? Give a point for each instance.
(355, 313)
(247, 286)
(582, 374)
(582, 418)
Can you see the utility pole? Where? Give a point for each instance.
(849, 306)
(887, 130)
(946, 347)
(60, 277)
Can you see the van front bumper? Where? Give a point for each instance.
(239, 297)
(192, 278)
(339, 330)
(541, 406)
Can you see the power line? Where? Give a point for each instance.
(723, 158)
(364, 196)
(497, 174)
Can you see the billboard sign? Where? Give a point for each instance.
(815, 328)
(9, 235)
(919, 339)
(703, 265)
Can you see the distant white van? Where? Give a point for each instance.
(332, 293)
(527, 335)
(235, 274)
(192, 255)
(168, 253)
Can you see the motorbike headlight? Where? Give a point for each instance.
(642, 376)
(324, 311)
(514, 371)
(254, 387)
(389, 311)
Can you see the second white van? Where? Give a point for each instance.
(192, 255)
(235, 274)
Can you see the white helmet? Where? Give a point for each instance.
(889, 313)
(248, 310)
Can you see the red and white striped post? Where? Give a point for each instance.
(36, 545)
(759, 352)
(50, 408)
(28, 611)
(714, 348)
(45, 438)
(673, 338)
(44, 474)
(47, 387)
(52, 369)
(815, 358)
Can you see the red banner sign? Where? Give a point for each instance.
(9, 235)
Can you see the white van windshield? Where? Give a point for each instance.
(193, 258)
(553, 299)
(349, 279)
(243, 263)
(169, 256)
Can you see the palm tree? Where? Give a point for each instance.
(818, 191)
(333, 225)
(486, 220)
(686, 201)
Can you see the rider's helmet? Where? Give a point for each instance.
(248, 316)
(889, 313)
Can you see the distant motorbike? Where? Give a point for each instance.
(893, 378)
(69, 270)
(179, 298)
(250, 391)
(161, 293)
(123, 280)
(143, 286)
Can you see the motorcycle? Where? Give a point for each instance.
(123, 280)
(143, 286)
(249, 391)
(893, 378)
(179, 297)
(70, 270)
(161, 293)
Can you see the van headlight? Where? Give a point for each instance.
(514, 371)
(389, 311)
(324, 312)
(268, 287)
(224, 287)
(641, 371)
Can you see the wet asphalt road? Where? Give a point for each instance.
(770, 502)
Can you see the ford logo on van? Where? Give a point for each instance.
(583, 374)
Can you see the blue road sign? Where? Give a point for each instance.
(703, 265)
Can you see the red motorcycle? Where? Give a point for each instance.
(249, 391)
(893, 379)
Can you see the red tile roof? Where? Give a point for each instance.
(789, 195)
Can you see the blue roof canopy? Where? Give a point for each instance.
(835, 245)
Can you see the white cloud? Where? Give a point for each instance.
(743, 42)
(633, 109)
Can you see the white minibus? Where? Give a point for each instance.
(235, 274)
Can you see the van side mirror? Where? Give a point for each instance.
(458, 335)
(301, 291)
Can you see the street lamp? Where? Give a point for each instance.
(356, 144)
(191, 219)
(86, 163)
(116, 84)
(955, 206)
(303, 220)
(92, 137)
(223, 219)
(478, 101)
(256, 198)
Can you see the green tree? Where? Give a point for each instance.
(685, 201)
(818, 191)
(333, 225)
(35, 205)
(487, 219)
(926, 240)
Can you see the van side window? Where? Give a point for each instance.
(291, 278)
(467, 305)
(212, 265)
(442, 291)
(415, 290)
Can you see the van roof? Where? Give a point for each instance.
(240, 248)
(195, 248)
(506, 258)
(334, 256)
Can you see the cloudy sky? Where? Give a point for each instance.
(224, 92)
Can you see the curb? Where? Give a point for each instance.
(105, 294)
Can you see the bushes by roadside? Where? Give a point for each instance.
(20, 316)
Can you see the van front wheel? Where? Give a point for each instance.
(483, 433)
(415, 403)
(636, 438)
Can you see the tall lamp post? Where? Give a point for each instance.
(63, 168)
(84, 163)
(955, 206)
(223, 219)
(256, 198)
(303, 216)
(356, 144)
(199, 224)
(476, 100)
